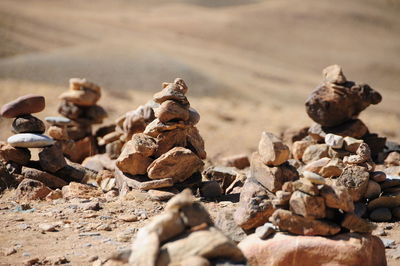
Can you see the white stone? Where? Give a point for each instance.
(314, 178)
(30, 140)
(58, 120)
(335, 141)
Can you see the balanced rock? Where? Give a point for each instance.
(299, 147)
(24, 105)
(355, 179)
(57, 120)
(135, 156)
(52, 159)
(196, 142)
(30, 140)
(171, 92)
(315, 152)
(373, 190)
(307, 206)
(334, 102)
(171, 110)
(178, 163)
(337, 197)
(28, 124)
(82, 92)
(334, 141)
(58, 133)
(272, 150)
(18, 155)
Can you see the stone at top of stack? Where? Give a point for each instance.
(269, 170)
(79, 104)
(336, 103)
(170, 150)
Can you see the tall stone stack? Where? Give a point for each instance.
(269, 170)
(170, 150)
(79, 105)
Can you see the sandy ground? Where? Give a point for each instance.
(250, 65)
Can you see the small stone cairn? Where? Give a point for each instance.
(79, 105)
(170, 150)
(184, 234)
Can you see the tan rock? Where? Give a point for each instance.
(239, 161)
(171, 110)
(307, 206)
(110, 137)
(272, 150)
(77, 151)
(355, 179)
(171, 92)
(178, 164)
(313, 178)
(58, 133)
(271, 177)
(357, 224)
(334, 168)
(170, 139)
(18, 155)
(49, 180)
(303, 186)
(337, 197)
(393, 159)
(53, 195)
(160, 195)
(352, 144)
(315, 152)
(286, 249)
(316, 166)
(195, 261)
(30, 189)
(196, 142)
(156, 127)
(77, 190)
(299, 225)
(334, 141)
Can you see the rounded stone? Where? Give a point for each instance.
(28, 124)
(30, 140)
(381, 215)
(378, 176)
(58, 120)
(396, 213)
(373, 190)
(23, 105)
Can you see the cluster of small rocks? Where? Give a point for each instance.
(169, 152)
(184, 234)
(79, 104)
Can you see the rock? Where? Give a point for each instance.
(211, 189)
(47, 227)
(53, 195)
(299, 225)
(384, 201)
(272, 150)
(352, 144)
(393, 159)
(195, 261)
(316, 166)
(110, 137)
(396, 213)
(77, 151)
(360, 209)
(390, 181)
(339, 154)
(30, 140)
(265, 231)
(299, 147)
(171, 111)
(90, 206)
(373, 190)
(285, 249)
(178, 164)
(160, 195)
(24, 105)
(195, 142)
(255, 206)
(28, 124)
(49, 180)
(304, 186)
(333, 168)
(291, 135)
(135, 156)
(226, 223)
(376, 144)
(225, 176)
(171, 92)
(356, 224)
(380, 215)
(334, 74)
(30, 189)
(205, 243)
(194, 117)
(195, 214)
(337, 197)
(125, 181)
(271, 177)
(334, 141)
(170, 139)
(78, 131)
(313, 178)
(108, 184)
(307, 206)
(114, 149)
(156, 127)
(82, 92)
(355, 179)
(58, 120)
(315, 152)
(378, 176)
(239, 161)
(18, 155)
(58, 133)
(52, 159)
(77, 190)
(332, 104)
(128, 218)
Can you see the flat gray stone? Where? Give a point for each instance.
(30, 140)
(57, 120)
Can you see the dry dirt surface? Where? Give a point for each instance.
(249, 65)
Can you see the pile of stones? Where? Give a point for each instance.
(79, 105)
(170, 150)
(184, 234)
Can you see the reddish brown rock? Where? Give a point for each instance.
(171, 110)
(114, 149)
(18, 155)
(337, 197)
(307, 206)
(30, 189)
(255, 206)
(135, 156)
(28, 124)
(239, 161)
(355, 179)
(272, 150)
(170, 139)
(284, 249)
(52, 159)
(47, 179)
(178, 164)
(24, 105)
(299, 225)
(77, 151)
(291, 135)
(195, 142)
(171, 92)
(156, 127)
(271, 177)
(335, 102)
(299, 147)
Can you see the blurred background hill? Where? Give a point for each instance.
(250, 65)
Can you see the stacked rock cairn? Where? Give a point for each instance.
(79, 105)
(169, 151)
(184, 234)
(28, 129)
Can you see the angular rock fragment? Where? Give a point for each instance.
(272, 150)
(355, 179)
(307, 206)
(337, 197)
